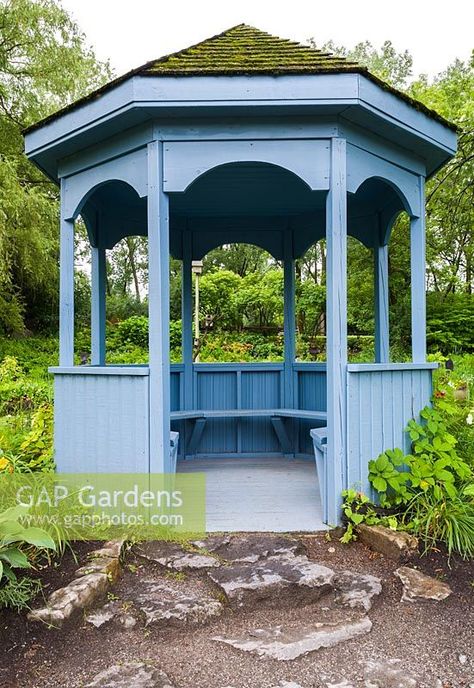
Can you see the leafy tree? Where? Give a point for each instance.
(260, 299)
(242, 259)
(44, 64)
(393, 67)
(217, 304)
(450, 195)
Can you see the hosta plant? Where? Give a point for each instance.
(19, 544)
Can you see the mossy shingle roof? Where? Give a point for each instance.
(245, 50)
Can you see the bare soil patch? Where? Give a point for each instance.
(429, 637)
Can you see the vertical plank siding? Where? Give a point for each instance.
(101, 423)
(247, 385)
(380, 404)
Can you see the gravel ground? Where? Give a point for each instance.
(435, 641)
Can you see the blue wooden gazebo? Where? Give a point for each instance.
(250, 138)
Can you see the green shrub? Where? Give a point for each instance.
(450, 322)
(133, 331)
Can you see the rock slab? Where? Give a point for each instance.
(356, 590)
(250, 548)
(394, 544)
(417, 585)
(130, 675)
(81, 593)
(172, 556)
(388, 674)
(289, 644)
(161, 603)
(273, 581)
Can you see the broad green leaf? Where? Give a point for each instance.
(13, 513)
(357, 518)
(38, 537)
(380, 484)
(381, 463)
(15, 558)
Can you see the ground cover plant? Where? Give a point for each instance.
(429, 491)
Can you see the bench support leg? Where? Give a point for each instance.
(283, 438)
(196, 435)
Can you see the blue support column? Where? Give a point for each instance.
(382, 331)
(187, 319)
(66, 288)
(418, 281)
(98, 293)
(159, 307)
(289, 318)
(336, 313)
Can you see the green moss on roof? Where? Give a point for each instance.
(244, 50)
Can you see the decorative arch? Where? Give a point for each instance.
(185, 162)
(363, 166)
(113, 210)
(130, 169)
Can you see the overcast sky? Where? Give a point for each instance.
(131, 32)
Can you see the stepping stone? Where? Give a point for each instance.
(388, 674)
(272, 581)
(417, 585)
(286, 645)
(161, 603)
(250, 548)
(356, 590)
(172, 556)
(112, 611)
(130, 675)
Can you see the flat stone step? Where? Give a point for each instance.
(273, 581)
(130, 675)
(289, 644)
(173, 556)
(250, 548)
(161, 603)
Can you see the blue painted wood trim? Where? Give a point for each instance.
(187, 319)
(382, 328)
(66, 286)
(234, 367)
(159, 308)
(187, 161)
(336, 309)
(289, 318)
(100, 370)
(98, 316)
(303, 365)
(418, 280)
(380, 367)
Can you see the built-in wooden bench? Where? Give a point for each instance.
(200, 417)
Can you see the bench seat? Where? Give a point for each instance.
(248, 413)
(201, 416)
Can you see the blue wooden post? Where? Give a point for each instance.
(336, 314)
(98, 294)
(289, 318)
(159, 307)
(382, 331)
(66, 287)
(187, 319)
(418, 284)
